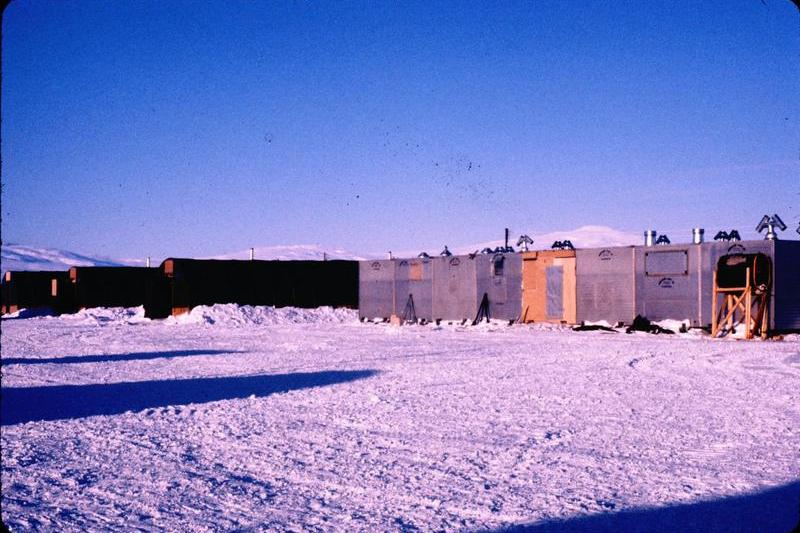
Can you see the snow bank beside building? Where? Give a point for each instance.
(248, 315)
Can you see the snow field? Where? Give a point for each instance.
(280, 419)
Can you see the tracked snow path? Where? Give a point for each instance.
(112, 421)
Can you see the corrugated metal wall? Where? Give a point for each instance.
(605, 284)
(414, 278)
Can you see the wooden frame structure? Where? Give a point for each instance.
(736, 307)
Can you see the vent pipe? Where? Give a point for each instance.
(252, 253)
(147, 263)
(650, 237)
(697, 235)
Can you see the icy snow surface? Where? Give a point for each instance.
(282, 419)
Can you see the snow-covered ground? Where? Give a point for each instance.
(263, 419)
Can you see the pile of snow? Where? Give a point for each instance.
(108, 315)
(246, 315)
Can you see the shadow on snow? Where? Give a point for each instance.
(775, 510)
(31, 404)
(106, 358)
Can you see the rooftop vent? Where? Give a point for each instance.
(650, 237)
(445, 252)
(697, 235)
(662, 240)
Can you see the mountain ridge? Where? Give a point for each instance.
(23, 257)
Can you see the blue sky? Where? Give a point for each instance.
(190, 128)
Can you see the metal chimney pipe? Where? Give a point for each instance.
(697, 235)
(650, 237)
(252, 253)
(148, 262)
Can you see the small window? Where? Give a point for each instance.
(498, 264)
(53, 287)
(667, 263)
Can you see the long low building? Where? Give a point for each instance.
(612, 284)
(442, 288)
(186, 283)
(660, 282)
(35, 290)
(94, 286)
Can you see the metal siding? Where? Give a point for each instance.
(555, 292)
(787, 285)
(454, 287)
(668, 282)
(504, 291)
(605, 284)
(376, 288)
(711, 252)
(414, 277)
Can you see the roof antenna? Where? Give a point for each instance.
(524, 241)
(770, 223)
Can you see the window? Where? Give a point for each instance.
(672, 263)
(498, 263)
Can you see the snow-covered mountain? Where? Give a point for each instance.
(582, 237)
(19, 257)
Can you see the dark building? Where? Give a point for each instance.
(186, 283)
(112, 286)
(36, 290)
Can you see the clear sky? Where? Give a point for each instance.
(134, 128)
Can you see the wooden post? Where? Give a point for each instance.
(714, 310)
